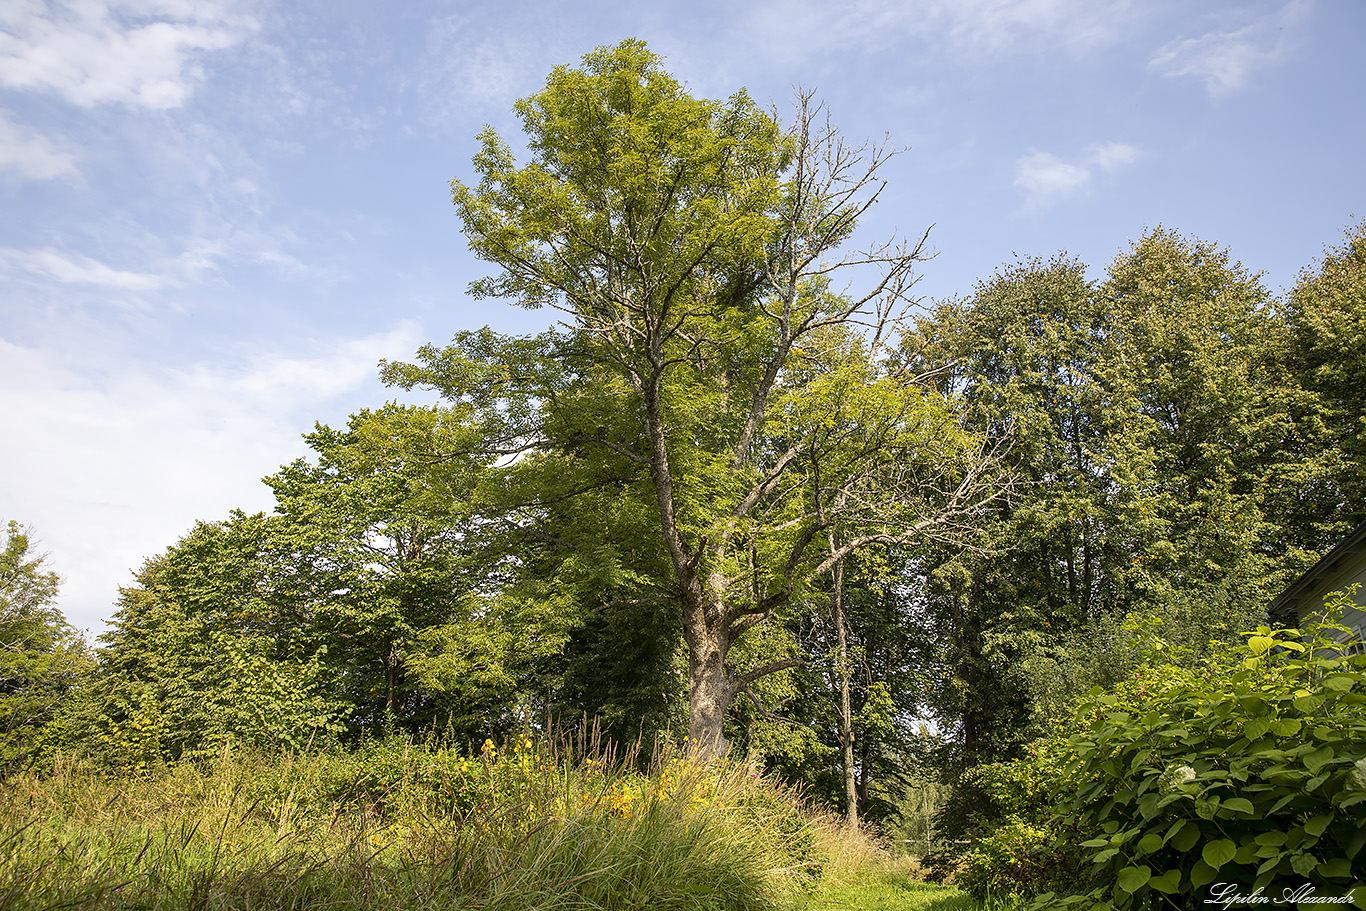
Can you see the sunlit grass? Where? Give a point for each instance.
(399, 826)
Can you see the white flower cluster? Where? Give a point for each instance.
(1175, 776)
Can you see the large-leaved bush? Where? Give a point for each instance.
(1249, 771)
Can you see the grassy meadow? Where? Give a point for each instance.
(400, 826)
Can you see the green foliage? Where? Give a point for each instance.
(1018, 845)
(357, 604)
(176, 685)
(42, 660)
(373, 547)
(613, 143)
(1247, 770)
(1327, 314)
(1160, 442)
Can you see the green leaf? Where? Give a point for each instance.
(1318, 824)
(1304, 864)
(1358, 841)
(1218, 853)
(1285, 727)
(1337, 868)
(1148, 843)
(1202, 873)
(1238, 805)
(1337, 683)
(1275, 807)
(1148, 805)
(1131, 879)
(1315, 760)
(1187, 838)
(1168, 882)
(1307, 704)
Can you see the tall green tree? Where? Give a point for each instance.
(370, 547)
(1023, 352)
(1155, 433)
(690, 245)
(42, 659)
(1212, 421)
(1327, 314)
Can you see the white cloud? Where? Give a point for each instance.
(1226, 59)
(32, 155)
(141, 53)
(74, 269)
(113, 460)
(1044, 175)
(1223, 60)
(1045, 178)
(797, 29)
(1110, 156)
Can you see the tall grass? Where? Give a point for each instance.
(395, 825)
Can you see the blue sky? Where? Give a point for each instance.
(217, 217)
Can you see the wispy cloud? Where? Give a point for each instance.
(74, 269)
(1046, 178)
(1226, 59)
(141, 53)
(801, 28)
(32, 155)
(465, 68)
(997, 24)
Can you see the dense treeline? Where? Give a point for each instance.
(1179, 462)
(714, 502)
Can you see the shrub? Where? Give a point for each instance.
(1246, 771)
(1020, 848)
(1250, 770)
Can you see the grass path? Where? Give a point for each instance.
(891, 893)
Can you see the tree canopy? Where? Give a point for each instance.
(691, 246)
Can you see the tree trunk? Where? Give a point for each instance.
(393, 667)
(710, 690)
(846, 721)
